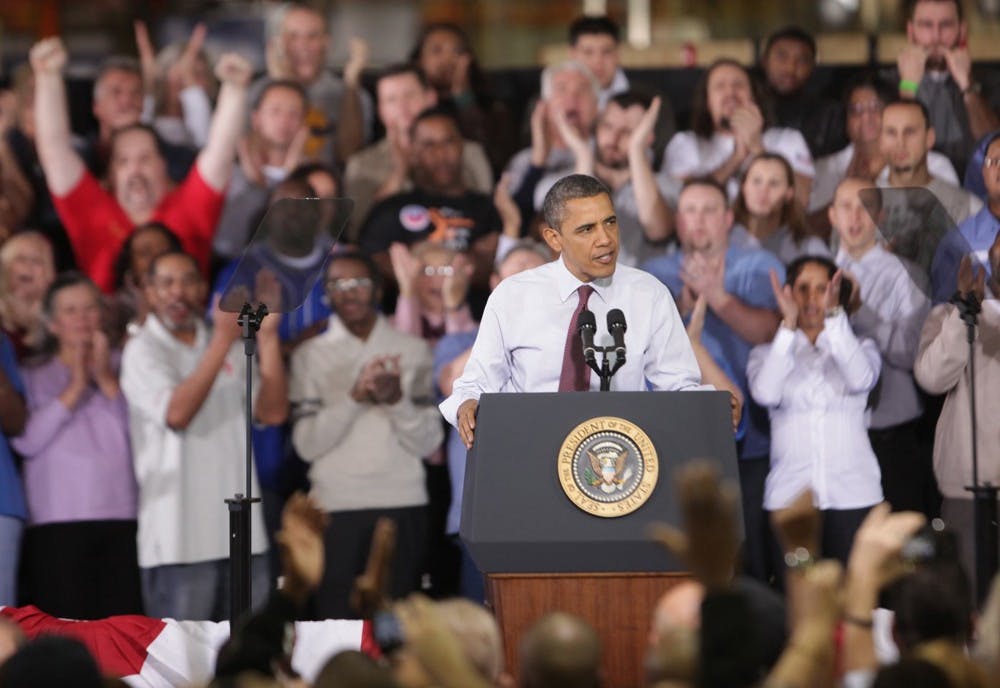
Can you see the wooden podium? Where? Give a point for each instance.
(542, 553)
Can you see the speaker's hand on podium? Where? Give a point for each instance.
(736, 409)
(467, 421)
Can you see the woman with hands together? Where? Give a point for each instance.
(814, 378)
(80, 546)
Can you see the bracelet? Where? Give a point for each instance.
(908, 86)
(799, 559)
(868, 623)
(973, 87)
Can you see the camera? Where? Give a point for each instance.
(388, 632)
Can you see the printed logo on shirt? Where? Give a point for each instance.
(451, 228)
(414, 218)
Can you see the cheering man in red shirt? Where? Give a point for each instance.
(98, 221)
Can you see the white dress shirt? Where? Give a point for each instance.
(522, 335)
(816, 397)
(894, 305)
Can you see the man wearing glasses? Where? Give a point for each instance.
(363, 414)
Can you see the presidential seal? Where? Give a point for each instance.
(608, 466)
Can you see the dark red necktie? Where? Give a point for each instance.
(575, 376)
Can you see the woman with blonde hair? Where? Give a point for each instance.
(27, 268)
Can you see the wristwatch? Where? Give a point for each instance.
(799, 559)
(835, 311)
(973, 87)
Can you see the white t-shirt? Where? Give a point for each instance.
(831, 170)
(689, 155)
(185, 476)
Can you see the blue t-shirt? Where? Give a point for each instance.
(11, 490)
(974, 236)
(748, 279)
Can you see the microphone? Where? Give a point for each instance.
(586, 327)
(617, 327)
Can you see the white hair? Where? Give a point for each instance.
(550, 72)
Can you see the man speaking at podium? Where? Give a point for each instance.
(529, 337)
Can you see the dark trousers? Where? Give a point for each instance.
(837, 530)
(905, 460)
(81, 569)
(348, 539)
(757, 530)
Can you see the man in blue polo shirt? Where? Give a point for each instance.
(741, 314)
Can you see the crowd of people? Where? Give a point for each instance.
(781, 223)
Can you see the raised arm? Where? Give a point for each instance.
(754, 324)
(215, 162)
(62, 165)
(187, 397)
(350, 121)
(654, 215)
(271, 404)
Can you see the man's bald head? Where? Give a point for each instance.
(678, 607)
(560, 651)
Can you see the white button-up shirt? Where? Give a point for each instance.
(816, 397)
(894, 305)
(522, 336)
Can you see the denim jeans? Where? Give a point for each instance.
(199, 592)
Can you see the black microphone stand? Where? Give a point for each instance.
(239, 505)
(604, 370)
(984, 495)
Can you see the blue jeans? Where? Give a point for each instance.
(199, 592)
(10, 551)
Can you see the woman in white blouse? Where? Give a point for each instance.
(815, 378)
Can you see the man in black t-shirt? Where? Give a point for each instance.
(439, 208)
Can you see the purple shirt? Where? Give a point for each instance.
(78, 464)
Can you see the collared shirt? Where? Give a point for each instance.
(184, 476)
(619, 84)
(831, 170)
(894, 305)
(523, 333)
(816, 396)
(78, 463)
(973, 237)
(689, 155)
(748, 279)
